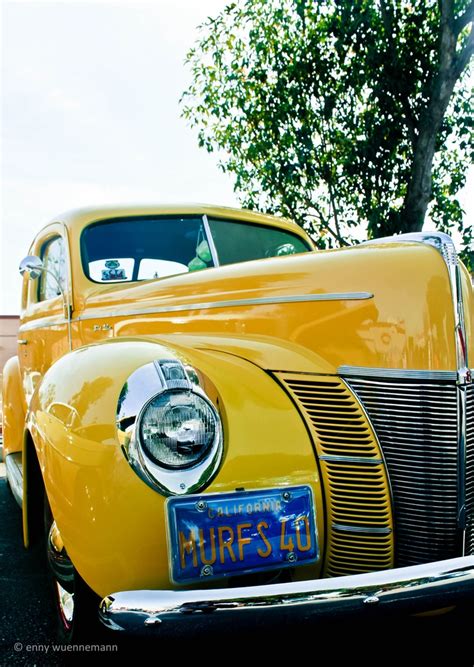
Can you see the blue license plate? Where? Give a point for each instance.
(224, 534)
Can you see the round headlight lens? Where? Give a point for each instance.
(177, 429)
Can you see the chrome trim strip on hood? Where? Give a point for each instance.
(227, 303)
(232, 303)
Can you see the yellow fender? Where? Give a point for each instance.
(112, 524)
(14, 408)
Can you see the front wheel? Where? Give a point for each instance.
(76, 612)
(76, 604)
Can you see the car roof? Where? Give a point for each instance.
(77, 219)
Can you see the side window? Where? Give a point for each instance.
(53, 255)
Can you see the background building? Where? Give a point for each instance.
(8, 346)
(8, 337)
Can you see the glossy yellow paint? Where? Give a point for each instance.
(43, 326)
(407, 324)
(468, 298)
(76, 221)
(14, 408)
(357, 494)
(112, 524)
(48, 339)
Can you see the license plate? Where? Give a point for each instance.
(220, 535)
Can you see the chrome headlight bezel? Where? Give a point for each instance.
(142, 387)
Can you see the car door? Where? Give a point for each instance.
(44, 333)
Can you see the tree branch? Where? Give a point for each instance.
(451, 65)
(388, 23)
(323, 223)
(465, 54)
(462, 21)
(332, 198)
(447, 41)
(446, 10)
(335, 214)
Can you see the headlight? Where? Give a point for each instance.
(177, 429)
(168, 427)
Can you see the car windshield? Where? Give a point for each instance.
(132, 249)
(241, 242)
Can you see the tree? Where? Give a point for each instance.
(340, 113)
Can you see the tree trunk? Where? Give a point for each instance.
(418, 194)
(451, 65)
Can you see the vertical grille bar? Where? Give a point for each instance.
(417, 426)
(470, 468)
(360, 537)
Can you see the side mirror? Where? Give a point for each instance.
(31, 266)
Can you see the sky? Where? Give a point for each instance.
(90, 115)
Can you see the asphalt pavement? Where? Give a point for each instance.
(28, 635)
(25, 613)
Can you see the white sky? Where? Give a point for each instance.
(90, 112)
(90, 115)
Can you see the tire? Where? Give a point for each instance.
(76, 605)
(82, 624)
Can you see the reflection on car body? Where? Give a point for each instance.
(213, 416)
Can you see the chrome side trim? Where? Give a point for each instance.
(14, 470)
(179, 308)
(350, 459)
(232, 303)
(43, 323)
(409, 589)
(408, 374)
(346, 528)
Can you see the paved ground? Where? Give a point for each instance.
(25, 616)
(27, 629)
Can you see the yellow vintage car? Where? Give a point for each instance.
(208, 420)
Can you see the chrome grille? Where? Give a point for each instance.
(417, 426)
(360, 537)
(470, 468)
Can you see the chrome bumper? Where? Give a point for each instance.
(408, 590)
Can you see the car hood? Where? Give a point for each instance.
(381, 305)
